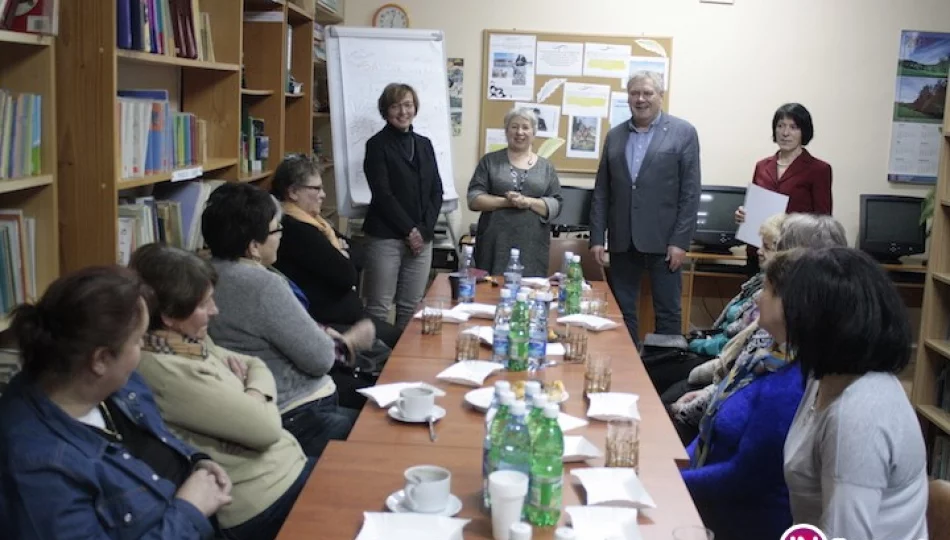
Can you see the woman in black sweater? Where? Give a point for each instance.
(403, 176)
(313, 255)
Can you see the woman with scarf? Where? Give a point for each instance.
(262, 316)
(219, 401)
(314, 256)
(735, 475)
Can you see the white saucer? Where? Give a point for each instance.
(395, 504)
(395, 414)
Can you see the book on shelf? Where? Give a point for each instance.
(319, 42)
(172, 215)
(17, 259)
(21, 127)
(33, 16)
(155, 139)
(255, 145)
(168, 27)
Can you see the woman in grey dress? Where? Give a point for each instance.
(518, 193)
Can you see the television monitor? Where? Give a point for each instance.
(715, 220)
(575, 210)
(890, 227)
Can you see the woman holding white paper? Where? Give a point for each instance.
(518, 193)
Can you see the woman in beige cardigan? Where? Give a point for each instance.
(220, 402)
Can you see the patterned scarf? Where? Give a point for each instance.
(171, 342)
(758, 358)
(291, 209)
(739, 307)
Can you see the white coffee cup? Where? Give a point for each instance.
(507, 491)
(416, 403)
(427, 488)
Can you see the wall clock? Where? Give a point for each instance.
(391, 16)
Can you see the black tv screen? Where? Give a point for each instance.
(890, 226)
(715, 220)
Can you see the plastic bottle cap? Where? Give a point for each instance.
(532, 387)
(564, 533)
(515, 252)
(522, 297)
(569, 255)
(540, 400)
(552, 410)
(506, 293)
(518, 408)
(501, 386)
(519, 531)
(507, 397)
(576, 258)
(467, 249)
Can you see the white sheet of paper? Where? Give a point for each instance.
(495, 140)
(560, 58)
(582, 99)
(549, 118)
(760, 205)
(653, 64)
(511, 72)
(606, 60)
(619, 108)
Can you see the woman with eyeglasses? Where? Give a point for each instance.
(403, 177)
(518, 194)
(261, 315)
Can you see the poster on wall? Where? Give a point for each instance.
(921, 93)
(583, 137)
(549, 118)
(456, 70)
(512, 67)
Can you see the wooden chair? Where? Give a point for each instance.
(938, 510)
(592, 270)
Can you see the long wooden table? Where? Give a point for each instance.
(356, 476)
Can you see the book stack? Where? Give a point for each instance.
(155, 139)
(169, 27)
(21, 123)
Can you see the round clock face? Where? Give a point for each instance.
(391, 16)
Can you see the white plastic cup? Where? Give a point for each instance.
(507, 490)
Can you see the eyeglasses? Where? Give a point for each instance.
(318, 189)
(279, 229)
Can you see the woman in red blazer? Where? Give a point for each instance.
(792, 170)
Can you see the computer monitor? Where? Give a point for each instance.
(575, 210)
(715, 220)
(890, 227)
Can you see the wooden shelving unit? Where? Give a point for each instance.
(320, 117)
(28, 65)
(89, 134)
(933, 351)
(298, 127)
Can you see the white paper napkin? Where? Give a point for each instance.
(604, 522)
(448, 316)
(486, 335)
(410, 526)
(479, 311)
(385, 395)
(568, 422)
(536, 282)
(606, 406)
(469, 372)
(577, 448)
(613, 485)
(480, 398)
(591, 322)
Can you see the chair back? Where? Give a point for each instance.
(578, 246)
(938, 510)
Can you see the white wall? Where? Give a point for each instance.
(732, 66)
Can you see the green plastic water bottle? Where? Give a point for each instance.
(518, 335)
(575, 286)
(543, 507)
(536, 416)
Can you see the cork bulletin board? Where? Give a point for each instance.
(536, 69)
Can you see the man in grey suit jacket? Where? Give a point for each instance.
(647, 194)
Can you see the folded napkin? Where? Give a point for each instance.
(385, 395)
(448, 315)
(479, 311)
(486, 335)
(568, 422)
(410, 526)
(577, 448)
(536, 282)
(469, 372)
(591, 322)
(615, 486)
(613, 405)
(604, 522)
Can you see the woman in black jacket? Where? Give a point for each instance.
(403, 176)
(313, 255)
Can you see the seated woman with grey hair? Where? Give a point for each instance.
(518, 193)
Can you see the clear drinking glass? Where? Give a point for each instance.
(575, 343)
(594, 302)
(467, 345)
(597, 375)
(432, 316)
(623, 444)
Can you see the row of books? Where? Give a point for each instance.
(943, 389)
(940, 458)
(319, 42)
(156, 139)
(169, 27)
(172, 215)
(21, 123)
(17, 259)
(34, 16)
(255, 145)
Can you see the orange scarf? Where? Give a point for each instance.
(294, 211)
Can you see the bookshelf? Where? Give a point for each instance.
(27, 65)
(933, 351)
(320, 115)
(90, 179)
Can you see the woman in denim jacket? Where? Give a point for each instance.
(83, 450)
